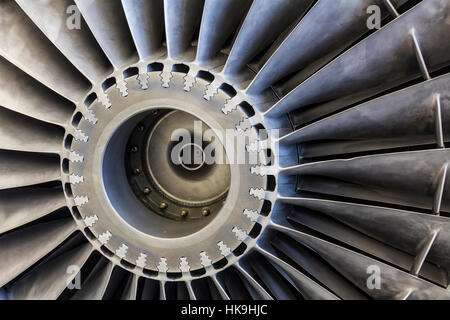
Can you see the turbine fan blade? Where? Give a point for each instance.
(327, 29)
(355, 267)
(22, 248)
(94, 287)
(19, 169)
(264, 22)
(79, 46)
(220, 18)
(24, 45)
(413, 116)
(181, 22)
(23, 94)
(405, 178)
(21, 206)
(106, 18)
(377, 64)
(21, 133)
(146, 22)
(48, 280)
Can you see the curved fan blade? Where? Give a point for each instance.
(382, 224)
(94, 286)
(130, 291)
(413, 116)
(146, 21)
(396, 284)
(150, 289)
(23, 44)
(21, 133)
(108, 24)
(72, 38)
(309, 46)
(220, 288)
(220, 18)
(264, 22)
(23, 248)
(23, 94)
(406, 178)
(307, 287)
(18, 169)
(385, 60)
(181, 21)
(49, 279)
(316, 267)
(261, 292)
(20, 206)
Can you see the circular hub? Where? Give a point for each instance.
(169, 170)
(180, 165)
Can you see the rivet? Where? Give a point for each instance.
(147, 190)
(163, 205)
(135, 149)
(205, 212)
(137, 171)
(141, 128)
(184, 213)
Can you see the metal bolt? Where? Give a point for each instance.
(135, 149)
(205, 212)
(141, 128)
(163, 206)
(184, 213)
(147, 190)
(137, 171)
(156, 112)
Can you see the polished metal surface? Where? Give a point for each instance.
(340, 189)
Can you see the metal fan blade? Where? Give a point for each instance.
(146, 22)
(18, 169)
(22, 248)
(181, 22)
(396, 284)
(48, 280)
(382, 224)
(24, 45)
(220, 18)
(264, 22)
(327, 29)
(413, 116)
(409, 178)
(94, 286)
(21, 206)
(376, 63)
(22, 93)
(307, 287)
(106, 17)
(21, 133)
(74, 41)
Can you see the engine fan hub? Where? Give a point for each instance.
(169, 170)
(166, 171)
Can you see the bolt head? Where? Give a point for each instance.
(135, 149)
(163, 206)
(137, 171)
(206, 212)
(147, 191)
(184, 213)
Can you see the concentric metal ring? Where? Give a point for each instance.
(124, 229)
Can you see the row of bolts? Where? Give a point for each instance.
(147, 191)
